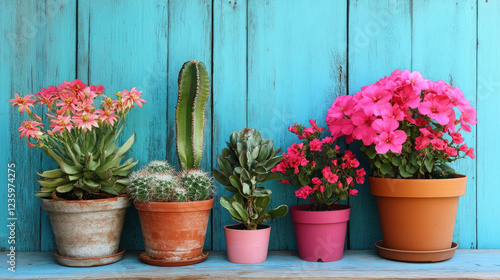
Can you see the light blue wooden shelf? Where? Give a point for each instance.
(356, 264)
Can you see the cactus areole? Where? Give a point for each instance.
(194, 89)
(245, 163)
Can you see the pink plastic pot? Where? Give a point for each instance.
(320, 234)
(247, 246)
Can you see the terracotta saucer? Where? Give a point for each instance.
(145, 258)
(415, 256)
(88, 262)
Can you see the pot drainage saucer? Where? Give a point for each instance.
(415, 256)
(145, 258)
(87, 262)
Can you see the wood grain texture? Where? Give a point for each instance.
(488, 102)
(229, 93)
(444, 48)
(296, 67)
(379, 43)
(189, 38)
(33, 55)
(129, 49)
(356, 265)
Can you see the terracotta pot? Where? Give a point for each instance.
(87, 228)
(320, 235)
(174, 230)
(247, 246)
(417, 214)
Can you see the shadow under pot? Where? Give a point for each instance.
(247, 246)
(320, 235)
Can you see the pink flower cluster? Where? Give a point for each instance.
(71, 106)
(318, 166)
(380, 113)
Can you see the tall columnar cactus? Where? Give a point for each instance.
(243, 165)
(194, 88)
(158, 182)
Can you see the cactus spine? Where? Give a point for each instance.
(194, 87)
(243, 165)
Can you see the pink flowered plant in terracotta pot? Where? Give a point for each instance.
(407, 124)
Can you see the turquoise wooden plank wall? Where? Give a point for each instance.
(273, 63)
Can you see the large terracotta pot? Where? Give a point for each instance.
(417, 214)
(320, 234)
(247, 246)
(87, 228)
(174, 231)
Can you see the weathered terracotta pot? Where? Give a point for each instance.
(174, 230)
(247, 246)
(320, 235)
(87, 228)
(417, 214)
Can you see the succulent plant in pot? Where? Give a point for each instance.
(244, 164)
(89, 185)
(174, 207)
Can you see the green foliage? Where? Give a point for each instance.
(243, 165)
(89, 168)
(194, 88)
(158, 182)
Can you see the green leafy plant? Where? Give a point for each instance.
(81, 139)
(245, 163)
(159, 182)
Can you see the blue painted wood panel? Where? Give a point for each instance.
(272, 63)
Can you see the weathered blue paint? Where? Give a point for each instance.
(356, 264)
(272, 63)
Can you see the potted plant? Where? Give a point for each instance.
(174, 221)
(85, 197)
(173, 210)
(409, 128)
(244, 164)
(326, 176)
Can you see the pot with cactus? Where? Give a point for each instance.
(244, 164)
(86, 196)
(174, 207)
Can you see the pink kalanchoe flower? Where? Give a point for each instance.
(86, 94)
(68, 101)
(293, 129)
(392, 141)
(107, 116)
(349, 180)
(30, 129)
(361, 176)
(317, 128)
(464, 148)
(322, 189)
(437, 108)
(451, 151)
(330, 177)
(457, 137)
(373, 99)
(414, 79)
(97, 89)
(363, 127)
(85, 121)
(328, 140)
(353, 192)
(316, 181)
(438, 144)
(303, 192)
(387, 125)
(23, 103)
(61, 123)
(470, 153)
(315, 145)
(284, 181)
(131, 97)
(468, 117)
(342, 106)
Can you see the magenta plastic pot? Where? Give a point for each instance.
(247, 246)
(320, 235)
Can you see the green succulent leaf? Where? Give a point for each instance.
(280, 211)
(241, 211)
(52, 174)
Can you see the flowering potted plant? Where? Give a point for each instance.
(326, 176)
(408, 126)
(178, 239)
(244, 164)
(172, 230)
(85, 197)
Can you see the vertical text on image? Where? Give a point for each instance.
(11, 219)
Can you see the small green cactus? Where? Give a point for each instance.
(243, 165)
(158, 182)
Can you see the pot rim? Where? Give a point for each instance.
(418, 188)
(88, 205)
(264, 227)
(190, 206)
(319, 217)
